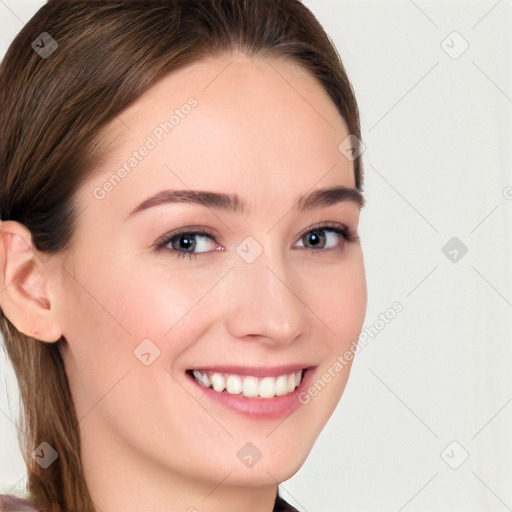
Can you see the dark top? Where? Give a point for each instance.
(280, 505)
(12, 503)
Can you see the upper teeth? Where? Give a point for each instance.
(249, 386)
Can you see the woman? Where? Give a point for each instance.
(181, 272)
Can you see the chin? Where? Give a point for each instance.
(268, 472)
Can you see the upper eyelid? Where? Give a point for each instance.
(206, 232)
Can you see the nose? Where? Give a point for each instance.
(266, 301)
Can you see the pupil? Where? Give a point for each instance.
(187, 242)
(314, 236)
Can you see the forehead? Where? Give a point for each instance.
(262, 126)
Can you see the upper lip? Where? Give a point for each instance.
(256, 371)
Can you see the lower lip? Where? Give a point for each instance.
(256, 408)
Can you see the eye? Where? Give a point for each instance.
(187, 243)
(184, 243)
(326, 236)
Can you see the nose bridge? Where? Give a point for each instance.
(266, 303)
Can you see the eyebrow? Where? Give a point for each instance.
(319, 198)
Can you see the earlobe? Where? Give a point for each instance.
(24, 279)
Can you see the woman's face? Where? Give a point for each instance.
(261, 292)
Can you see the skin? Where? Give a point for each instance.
(266, 130)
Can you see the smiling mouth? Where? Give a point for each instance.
(248, 386)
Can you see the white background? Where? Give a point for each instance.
(438, 137)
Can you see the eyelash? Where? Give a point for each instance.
(161, 244)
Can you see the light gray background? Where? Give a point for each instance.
(433, 386)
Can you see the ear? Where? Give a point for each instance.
(25, 296)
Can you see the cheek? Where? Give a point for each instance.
(108, 309)
(340, 302)
(106, 324)
(167, 307)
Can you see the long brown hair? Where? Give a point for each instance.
(52, 108)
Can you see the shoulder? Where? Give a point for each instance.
(12, 503)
